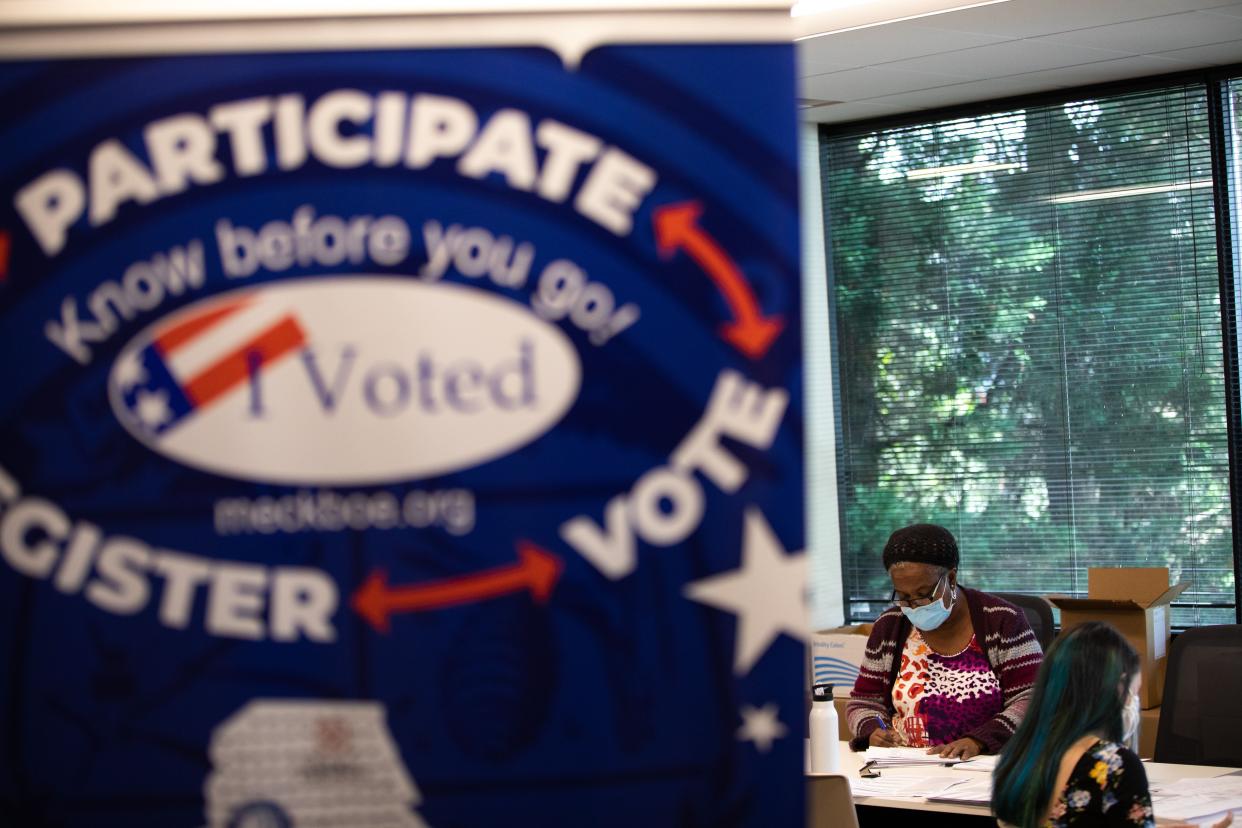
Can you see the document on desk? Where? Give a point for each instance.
(882, 757)
(1227, 785)
(1202, 801)
(973, 790)
(983, 764)
(902, 787)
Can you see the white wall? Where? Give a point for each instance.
(823, 519)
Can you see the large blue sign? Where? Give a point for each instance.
(401, 438)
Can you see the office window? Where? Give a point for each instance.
(1232, 117)
(1028, 346)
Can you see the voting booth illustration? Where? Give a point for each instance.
(402, 420)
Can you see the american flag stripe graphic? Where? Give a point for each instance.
(233, 369)
(197, 361)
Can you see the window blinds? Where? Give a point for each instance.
(1028, 346)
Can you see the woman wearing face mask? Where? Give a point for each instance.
(1068, 763)
(947, 668)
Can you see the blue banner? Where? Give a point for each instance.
(401, 438)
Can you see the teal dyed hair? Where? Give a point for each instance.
(1080, 689)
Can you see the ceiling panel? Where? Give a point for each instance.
(850, 111)
(1031, 18)
(1232, 10)
(980, 90)
(1107, 71)
(869, 82)
(1217, 54)
(1012, 48)
(1010, 58)
(820, 62)
(895, 41)
(1177, 31)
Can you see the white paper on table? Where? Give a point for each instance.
(1211, 785)
(893, 756)
(1196, 806)
(901, 787)
(986, 764)
(971, 790)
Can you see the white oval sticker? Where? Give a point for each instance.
(344, 380)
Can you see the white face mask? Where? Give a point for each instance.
(1130, 717)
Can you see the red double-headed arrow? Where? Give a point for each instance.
(677, 228)
(536, 570)
(4, 255)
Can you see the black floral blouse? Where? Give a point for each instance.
(1108, 786)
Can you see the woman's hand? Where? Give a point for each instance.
(1224, 823)
(963, 748)
(881, 737)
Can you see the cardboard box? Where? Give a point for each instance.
(1136, 601)
(843, 726)
(1149, 725)
(836, 655)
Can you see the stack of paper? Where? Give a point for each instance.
(973, 790)
(902, 787)
(985, 764)
(882, 757)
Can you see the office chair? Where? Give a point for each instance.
(1200, 722)
(1038, 612)
(829, 802)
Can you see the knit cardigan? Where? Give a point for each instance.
(1006, 638)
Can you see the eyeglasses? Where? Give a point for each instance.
(922, 600)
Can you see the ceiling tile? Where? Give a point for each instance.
(980, 90)
(1215, 54)
(852, 111)
(869, 82)
(1136, 66)
(1188, 5)
(881, 44)
(813, 61)
(1157, 34)
(1230, 9)
(1013, 57)
(1031, 18)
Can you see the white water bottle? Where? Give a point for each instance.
(824, 735)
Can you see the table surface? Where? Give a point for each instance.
(851, 762)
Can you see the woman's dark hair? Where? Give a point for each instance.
(1080, 689)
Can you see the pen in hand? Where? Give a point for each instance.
(882, 736)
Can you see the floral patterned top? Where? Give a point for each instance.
(1108, 786)
(940, 698)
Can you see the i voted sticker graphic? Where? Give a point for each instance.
(387, 379)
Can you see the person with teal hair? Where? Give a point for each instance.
(1068, 764)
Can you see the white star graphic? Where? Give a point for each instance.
(761, 725)
(129, 371)
(152, 408)
(767, 594)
